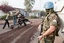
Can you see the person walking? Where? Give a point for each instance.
(6, 20)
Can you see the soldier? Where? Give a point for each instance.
(50, 24)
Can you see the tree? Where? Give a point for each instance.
(43, 13)
(29, 4)
(5, 7)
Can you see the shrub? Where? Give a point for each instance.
(33, 17)
(3, 17)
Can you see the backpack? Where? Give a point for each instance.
(59, 25)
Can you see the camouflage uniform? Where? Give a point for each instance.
(50, 20)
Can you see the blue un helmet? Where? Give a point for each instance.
(48, 5)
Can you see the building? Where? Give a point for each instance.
(60, 10)
(2, 13)
(22, 11)
(35, 13)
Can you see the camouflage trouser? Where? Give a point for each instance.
(47, 41)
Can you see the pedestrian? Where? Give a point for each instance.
(6, 20)
(50, 24)
(15, 16)
(26, 20)
(21, 19)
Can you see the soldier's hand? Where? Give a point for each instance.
(40, 37)
(41, 33)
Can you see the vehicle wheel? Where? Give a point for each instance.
(12, 27)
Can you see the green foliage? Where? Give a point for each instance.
(29, 4)
(11, 18)
(3, 17)
(33, 17)
(43, 13)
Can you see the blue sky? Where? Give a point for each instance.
(20, 3)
